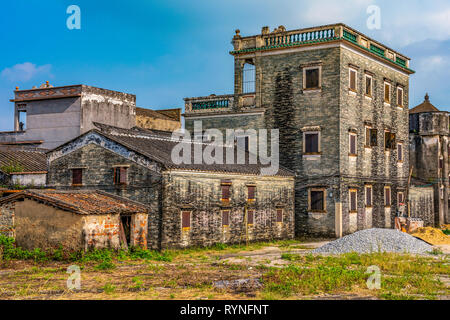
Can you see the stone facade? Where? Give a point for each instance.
(334, 111)
(421, 199)
(7, 220)
(429, 154)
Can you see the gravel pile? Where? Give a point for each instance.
(376, 240)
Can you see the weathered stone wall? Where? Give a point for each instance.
(148, 122)
(223, 122)
(422, 204)
(101, 231)
(201, 195)
(7, 226)
(29, 180)
(98, 174)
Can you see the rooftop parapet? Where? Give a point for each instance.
(280, 39)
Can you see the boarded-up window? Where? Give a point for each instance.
(368, 90)
(387, 92)
(251, 192)
(77, 176)
(250, 217)
(120, 175)
(400, 97)
(368, 196)
(352, 84)
(311, 143)
(353, 144)
(225, 217)
(400, 152)
(225, 192)
(353, 201)
(186, 219)
(317, 200)
(312, 78)
(387, 196)
(389, 140)
(279, 215)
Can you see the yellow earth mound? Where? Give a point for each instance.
(432, 235)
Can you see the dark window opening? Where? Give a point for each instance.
(77, 176)
(311, 143)
(352, 144)
(387, 197)
(389, 140)
(251, 192)
(250, 217)
(317, 200)
(120, 175)
(125, 229)
(225, 218)
(400, 152)
(368, 196)
(186, 219)
(279, 215)
(353, 201)
(312, 78)
(226, 192)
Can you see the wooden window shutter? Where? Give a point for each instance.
(225, 218)
(186, 219)
(317, 201)
(77, 176)
(225, 192)
(387, 197)
(251, 192)
(352, 79)
(250, 216)
(353, 204)
(369, 196)
(123, 176)
(352, 144)
(400, 152)
(279, 215)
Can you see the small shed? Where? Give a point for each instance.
(77, 220)
(23, 167)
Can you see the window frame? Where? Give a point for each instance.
(371, 85)
(226, 212)
(350, 70)
(350, 192)
(73, 176)
(350, 135)
(120, 169)
(393, 146)
(386, 204)
(318, 142)
(225, 186)
(398, 197)
(366, 193)
(319, 84)
(278, 215)
(252, 222)
(248, 193)
(390, 93)
(324, 205)
(183, 212)
(400, 153)
(400, 105)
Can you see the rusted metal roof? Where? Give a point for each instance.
(84, 202)
(27, 161)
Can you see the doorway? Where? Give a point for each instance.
(125, 230)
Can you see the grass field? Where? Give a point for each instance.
(278, 270)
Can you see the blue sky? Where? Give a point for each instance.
(163, 51)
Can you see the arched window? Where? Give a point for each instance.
(248, 75)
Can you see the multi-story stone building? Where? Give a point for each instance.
(48, 116)
(189, 204)
(340, 101)
(429, 154)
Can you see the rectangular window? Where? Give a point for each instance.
(279, 215)
(311, 78)
(250, 217)
(77, 177)
(368, 90)
(251, 193)
(352, 79)
(400, 152)
(225, 192)
(389, 140)
(317, 200)
(400, 97)
(368, 196)
(373, 134)
(387, 196)
(441, 163)
(186, 219)
(311, 141)
(401, 198)
(225, 218)
(120, 175)
(353, 150)
(353, 200)
(387, 92)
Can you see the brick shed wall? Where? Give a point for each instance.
(7, 219)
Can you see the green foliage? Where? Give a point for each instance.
(11, 167)
(105, 265)
(446, 231)
(139, 253)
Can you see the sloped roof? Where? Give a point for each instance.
(158, 146)
(425, 106)
(153, 114)
(27, 161)
(82, 202)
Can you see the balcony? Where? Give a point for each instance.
(217, 104)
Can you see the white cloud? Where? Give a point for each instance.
(25, 71)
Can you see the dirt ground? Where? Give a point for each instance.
(232, 273)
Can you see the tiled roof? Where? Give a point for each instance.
(158, 145)
(152, 113)
(27, 161)
(82, 202)
(425, 106)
